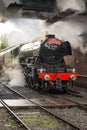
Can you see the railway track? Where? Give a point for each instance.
(16, 118)
(7, 93)
(50, 112)
(75, 93)
(83, 76)
(82, 81)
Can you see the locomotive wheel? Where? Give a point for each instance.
(45, 87)
(30, 82)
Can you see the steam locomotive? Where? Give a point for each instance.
(45, 66)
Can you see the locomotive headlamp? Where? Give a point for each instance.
(47, 77)
(73, 77)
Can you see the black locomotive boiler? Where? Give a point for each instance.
(44, 64)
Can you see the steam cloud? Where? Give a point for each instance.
(65, 30)
(69, 29)
(78, 5)
(14, 75)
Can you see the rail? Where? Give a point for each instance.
(14, 115)
(45, 109)
(83, 76)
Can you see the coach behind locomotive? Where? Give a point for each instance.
(48, 69)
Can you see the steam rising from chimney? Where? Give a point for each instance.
(27, 30)
(78, 5)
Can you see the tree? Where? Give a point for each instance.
(3, 42)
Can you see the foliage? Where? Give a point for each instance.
(3, 42)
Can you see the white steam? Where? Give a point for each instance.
(65, 30)
(14, 75)
(27, 29)
(78, 5)
(6, 28)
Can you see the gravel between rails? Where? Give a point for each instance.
(32, 94)
(7, 122)
(74, 114)
(39, 120)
